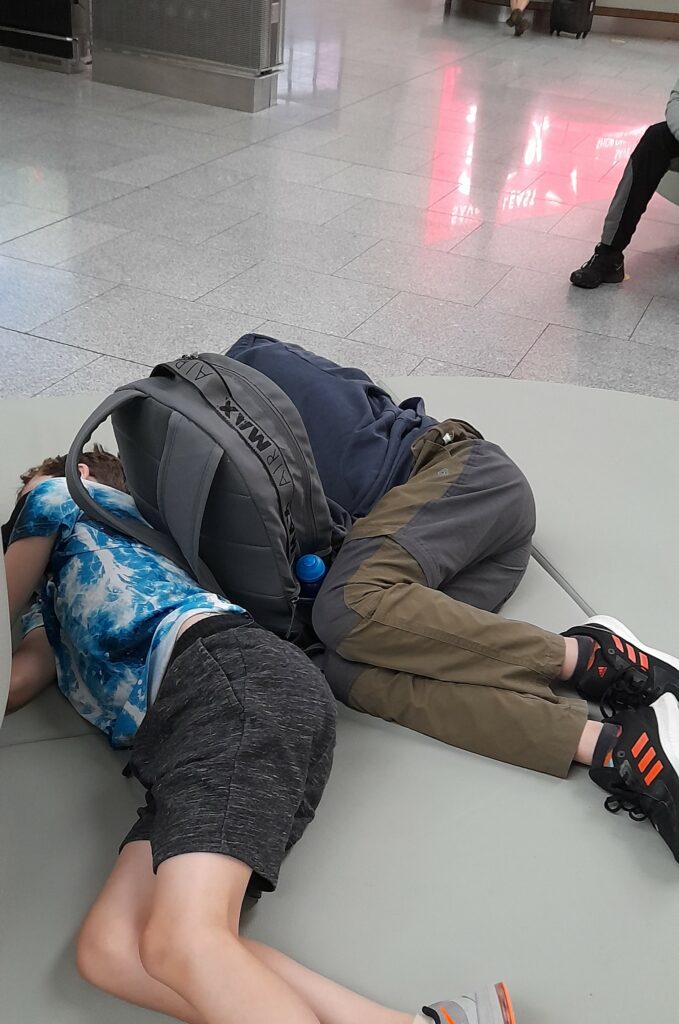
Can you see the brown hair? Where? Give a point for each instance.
(104, 467)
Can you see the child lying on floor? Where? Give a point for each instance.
(232, 733)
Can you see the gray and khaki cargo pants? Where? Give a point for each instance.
(407, 610)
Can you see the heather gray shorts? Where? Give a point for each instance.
(236, 750)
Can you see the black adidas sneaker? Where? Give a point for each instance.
(644, 777)
(622, 672)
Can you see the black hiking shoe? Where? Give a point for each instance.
(644, 776)
(513, 18)
(622, 672)
(520, 25)
(605, 267)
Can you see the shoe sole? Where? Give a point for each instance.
(616, 278)
(626, 634)
(656, 751)
(494, 1005)
(666, 711)
(505, 1003)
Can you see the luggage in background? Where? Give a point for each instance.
(574, 16)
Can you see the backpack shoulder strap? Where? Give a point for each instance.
(187, 468)
(129, 525)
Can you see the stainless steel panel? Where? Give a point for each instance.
(239, 33)
(187, 79)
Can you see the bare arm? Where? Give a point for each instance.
(33, 669)
(25, 565)
(672, 112)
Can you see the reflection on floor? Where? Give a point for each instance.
(414, 203)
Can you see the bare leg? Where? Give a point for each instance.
(191, 944)
(108, 955)
(588, 741)
(332, 1003)
(108, 944)
(592, 730)
(33, 669)
(516, 19)
(570, 658)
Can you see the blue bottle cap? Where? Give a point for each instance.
(309, 568)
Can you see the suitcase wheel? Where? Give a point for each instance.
(585, 34)
(578, 35)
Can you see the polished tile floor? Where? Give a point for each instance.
(414, 204)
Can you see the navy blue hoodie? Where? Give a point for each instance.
(360, 438)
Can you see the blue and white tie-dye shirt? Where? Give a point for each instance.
(111, 607)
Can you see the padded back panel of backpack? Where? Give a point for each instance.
(243, 540)
(245, 544)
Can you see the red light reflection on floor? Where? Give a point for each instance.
(556, 161)
(447, 105)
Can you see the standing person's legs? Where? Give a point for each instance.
(404, 642)
(516, 19)
(645, 169)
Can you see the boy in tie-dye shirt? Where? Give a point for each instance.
(232, 732)
(111, 607)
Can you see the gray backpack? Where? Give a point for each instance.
(219, 464)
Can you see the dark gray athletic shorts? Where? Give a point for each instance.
(236, 750)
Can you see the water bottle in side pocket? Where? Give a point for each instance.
(310, 570)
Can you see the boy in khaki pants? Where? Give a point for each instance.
(443, 522)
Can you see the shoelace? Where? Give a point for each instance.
(630, 802)
(590, 261)
(628, 689)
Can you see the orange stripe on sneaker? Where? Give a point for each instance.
(640, 744)
(646, 759)
(643, 660)
(631, 654)
(447, 1016)
(505, 1003)
(618, 643)
(654, 772)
